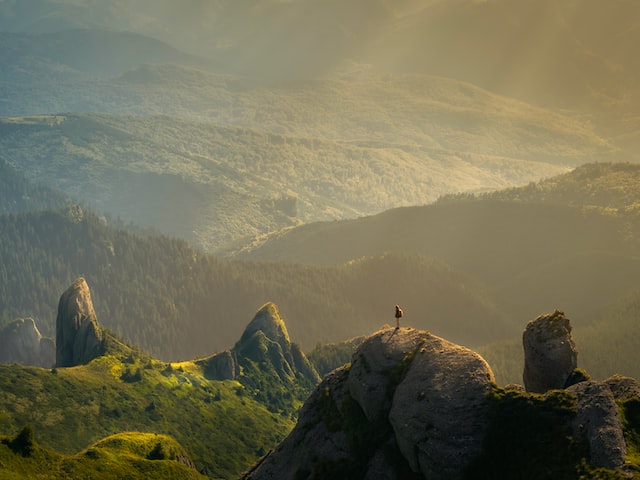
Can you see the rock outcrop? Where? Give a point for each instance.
(550, 355)
(21, 342)
(221, 366)
(413, 405)
(78, 336)
(438, 412)
(266, 341)
(410, 403)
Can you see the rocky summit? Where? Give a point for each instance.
(264, 347)
(410, 403)
(78, 336)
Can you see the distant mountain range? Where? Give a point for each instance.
(568, 53)
(242, 119)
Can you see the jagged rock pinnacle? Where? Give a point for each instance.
(268, 321)
(78, 336)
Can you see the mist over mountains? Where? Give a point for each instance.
(574, 52)
(475, 161)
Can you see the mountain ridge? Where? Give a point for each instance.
(199, 187)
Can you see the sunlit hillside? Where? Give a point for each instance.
(220, 426)
(212, 185)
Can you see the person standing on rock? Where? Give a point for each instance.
(399, 313)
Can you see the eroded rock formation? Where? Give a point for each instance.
(78, 336)
(550, 355)
(265, 342)
(598, 421)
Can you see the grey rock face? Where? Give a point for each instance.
(21, 342)
(550, 355)
(438, 410)
(315, 440)
(371, 378)
(268, 321)
(221, 366)
(599, 422)
(409, 401)
(78, 336)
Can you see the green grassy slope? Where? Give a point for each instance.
(132, 455)
(220, 425)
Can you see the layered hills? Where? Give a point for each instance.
(573, 55)
(212, 184)
(571, 52)
(471, 269)
(188, 145)
(569, 242)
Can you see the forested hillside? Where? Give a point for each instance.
(164, 296)
(287, 164)
(21, 195)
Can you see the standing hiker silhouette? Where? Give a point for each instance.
(399, 313)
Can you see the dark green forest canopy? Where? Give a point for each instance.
(160, 294)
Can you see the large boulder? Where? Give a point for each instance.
(439, 409)
(550, 355)
(410, 405)
(376, 365)
(22, 342)
(78, 336)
